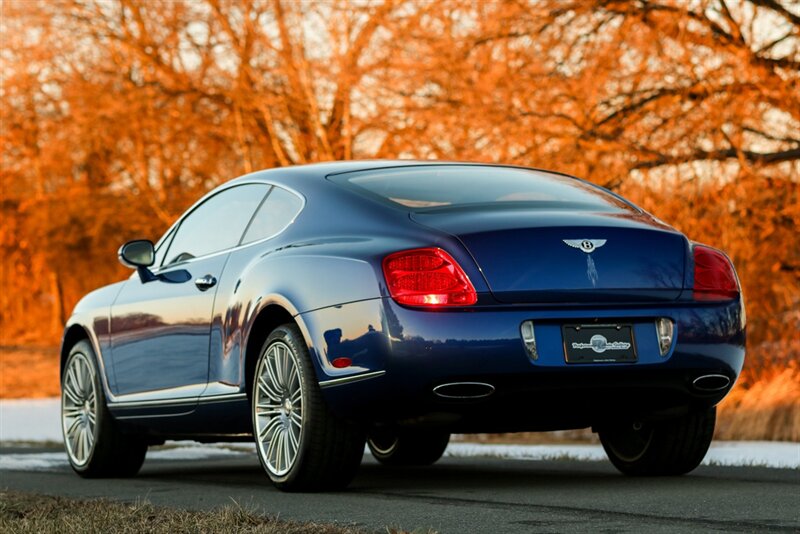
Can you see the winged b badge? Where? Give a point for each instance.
(588, 246)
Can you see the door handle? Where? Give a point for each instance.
(205, 282)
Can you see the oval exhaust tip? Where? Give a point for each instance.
(713, 382)
(464, 390)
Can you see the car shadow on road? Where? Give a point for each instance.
(466, 475)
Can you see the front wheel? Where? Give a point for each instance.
(95, 445)
(302, 445)
(671, 447)
(407, 447)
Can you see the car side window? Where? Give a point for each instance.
(276, 213)
(215, 225)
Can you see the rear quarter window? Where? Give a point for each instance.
(277, 212)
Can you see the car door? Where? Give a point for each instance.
(160, 329)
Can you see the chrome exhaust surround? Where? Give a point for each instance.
(709, 383)
(464, 390)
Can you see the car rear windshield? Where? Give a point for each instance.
(435, 187)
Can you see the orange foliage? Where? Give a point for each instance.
(117, 115)
(765, 405)
(29, 372)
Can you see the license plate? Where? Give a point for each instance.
(607, 343)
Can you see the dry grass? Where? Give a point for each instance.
(765, 407)
(563, 437)
(29, 372)
(23, 512)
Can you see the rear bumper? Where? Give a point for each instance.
(407, 353)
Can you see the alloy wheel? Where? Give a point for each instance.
(79, 409)
(278, 408)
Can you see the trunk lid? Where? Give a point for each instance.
(566, 255)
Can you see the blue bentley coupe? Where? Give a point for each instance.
(317, 308)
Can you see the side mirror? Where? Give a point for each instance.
(136, 254)
(139, 255)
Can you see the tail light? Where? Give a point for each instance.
(714, 277)
(427, 277)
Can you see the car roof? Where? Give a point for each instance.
(293, 174)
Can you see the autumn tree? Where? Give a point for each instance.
(690, 108)
(116, 115)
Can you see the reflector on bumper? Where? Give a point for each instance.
(528, 337)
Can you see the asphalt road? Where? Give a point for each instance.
(466, 495)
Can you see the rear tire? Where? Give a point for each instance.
(301, 444)
(663, 448)
(403, 447)
(95, 446)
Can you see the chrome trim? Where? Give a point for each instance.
(178, 402)
(222, 398)
(215, 389)
(165, 402)
(349, 379)
(188, 392)
(138, 416)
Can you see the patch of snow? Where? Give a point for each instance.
(726, 453)
(526, 452)
(30, 420)
(38, 420)
(48, 461)
(194, 452)
(780, 454)
(42, 461)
